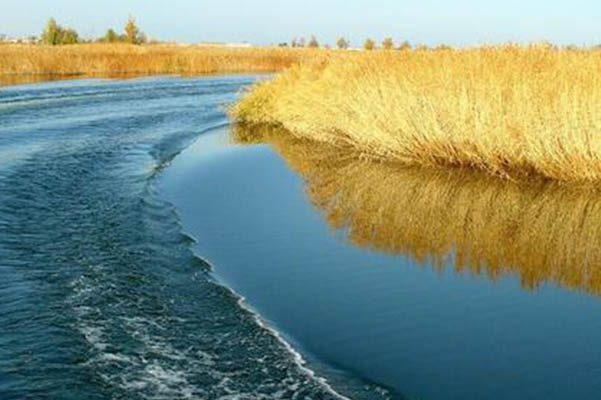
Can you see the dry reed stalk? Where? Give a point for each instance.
(506, 110)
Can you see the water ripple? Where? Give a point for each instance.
(101, 295)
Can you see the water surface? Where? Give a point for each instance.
(130, 224)
(101, 296)
(431, 284)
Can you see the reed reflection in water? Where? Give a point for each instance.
(25, 79)
(541, 230)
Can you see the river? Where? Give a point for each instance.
(146, 256)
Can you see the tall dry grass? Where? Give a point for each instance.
(506, 110)
(537, 229)
(120, 58)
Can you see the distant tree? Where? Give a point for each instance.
(55, 34)
(369, 44)
(132, 32)
(283, 44)
(301, 42)
(142, 38)
(404, 46)
(546, 45)
(111, 36)
(387, 44)
(51, 33)
(442, 47)
(342, 43)
(313, 43)
(68, 36)
(293, 43)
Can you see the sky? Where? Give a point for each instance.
(262, 22)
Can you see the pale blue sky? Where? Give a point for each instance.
(459, 22)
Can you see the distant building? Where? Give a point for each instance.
(222, 44)
(4, 38)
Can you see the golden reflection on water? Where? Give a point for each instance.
(23, 79)
(541, 230)
(19, 79)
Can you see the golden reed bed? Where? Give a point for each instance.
(505, 110)
(537, 229)
(114, 59)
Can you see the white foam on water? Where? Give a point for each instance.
(158, 381)
(116, 357)
(297, 357)
(94, 336)
(12, 155)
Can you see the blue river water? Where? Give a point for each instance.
(420, 331)
(101, 296)
(143, 255)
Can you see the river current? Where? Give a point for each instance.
(101, 296)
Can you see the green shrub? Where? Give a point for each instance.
(387, 44)
(54, 34)
(111, 36)
(132, 32)
(342, 43)
(405, 46)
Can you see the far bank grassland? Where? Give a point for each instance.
(507, 110)
(121, 58)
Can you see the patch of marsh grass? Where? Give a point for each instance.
(506, 110)
(122, 58)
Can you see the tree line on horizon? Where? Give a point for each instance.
(55, 34)
(342, 43)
